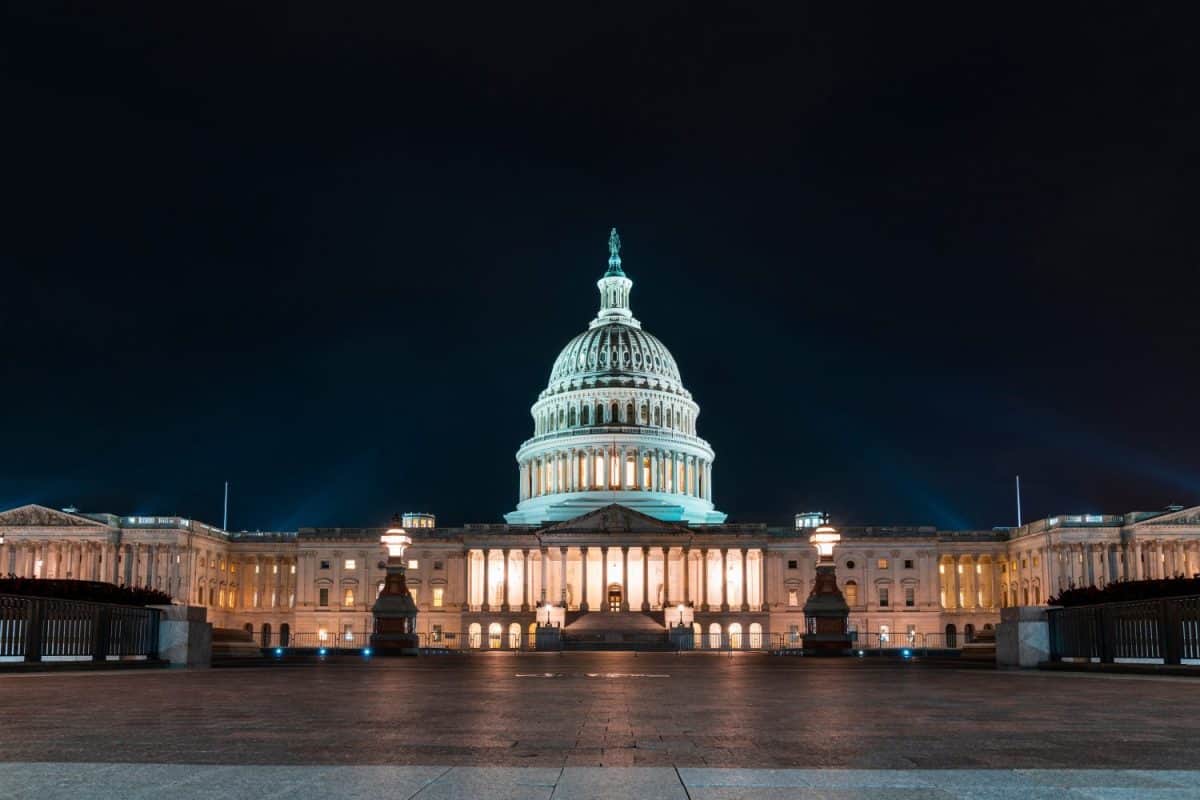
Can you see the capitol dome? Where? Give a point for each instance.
(615, 425)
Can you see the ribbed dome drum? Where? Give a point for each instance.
(618, 350)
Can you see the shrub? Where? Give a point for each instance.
(84, 591)
(1124, 591)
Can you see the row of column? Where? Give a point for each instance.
(1097, 564)
(480, 588)
(158, 566)
(616, 469)
(971, 582)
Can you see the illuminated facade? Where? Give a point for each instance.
(614, 529)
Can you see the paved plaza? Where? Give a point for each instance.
(689, 726)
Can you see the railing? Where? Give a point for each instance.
(686, 640)
(1163, 631)
(42, 628)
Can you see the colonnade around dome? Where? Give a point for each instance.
(616, 469)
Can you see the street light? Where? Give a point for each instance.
(396, 541)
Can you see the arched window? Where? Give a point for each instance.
(951, 635)
(248, 628)
(474, 635)
(348, 597)
(571, 417)
(714, 635)
(735, 635)
(756, 637)
(616, 413)
(645, 413)
(630, 419)
(584, 414)
(494, 633)
(697, 635)
(668, 417)
(598, 417)
(658, 415)
(266, 634)
(514, 636)
(969, 632)
(851, 592)
(285, 634)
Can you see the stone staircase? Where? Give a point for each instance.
(623, 630)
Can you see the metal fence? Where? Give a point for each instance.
(1165, 631)
(509, 640)
(42, 628)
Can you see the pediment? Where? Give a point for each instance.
(615, 518)
(35, 516)
(1186, 516)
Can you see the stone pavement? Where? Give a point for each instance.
(661, 725)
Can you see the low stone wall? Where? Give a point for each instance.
(185, 636)
(1022, 637)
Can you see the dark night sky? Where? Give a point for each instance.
(900, 255)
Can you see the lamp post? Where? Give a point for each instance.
(826, 610)
(395, 613)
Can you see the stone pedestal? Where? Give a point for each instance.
(682, 637)
(395, 632)
(185, 636)
(1023, 637)
(825, 613)
(548, 637)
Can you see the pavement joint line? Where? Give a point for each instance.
(441, 775)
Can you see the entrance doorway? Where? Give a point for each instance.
(614, 598)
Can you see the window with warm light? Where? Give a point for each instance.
(850, 590)
(293, 569)
(348, 597)
(322, 635)
(349, 563)
(882, 563)
(256, 569)
(274, 569)
(412, 563)
(438, 593)
(793, 597)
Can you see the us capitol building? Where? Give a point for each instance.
(615, 529)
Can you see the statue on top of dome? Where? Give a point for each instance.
(614, 253)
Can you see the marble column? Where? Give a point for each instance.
(525, 577)
(687, 575)
(624, 578)
(704, 579)
(956, 568)
(487, 579)
(645, 579)
(583, 557)
(724, 579)
(562, 577)
(504, 606)
(666, 593)
(605, 578)
(745, 584)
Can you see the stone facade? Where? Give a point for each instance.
(896, 579)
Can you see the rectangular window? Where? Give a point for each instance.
(412, 563)
(293, 569)
(324, 565)
(793, 597)
(274, 569)
(438, 565)
(323, 597)
(882, 563)
(793, 634)
(910, 597)
(793, 564)
(256, 569)
(438, 593)
(349, 564)
(883, 597)
(436, 633)
(908, 563)
(1035, 561)
(348, 632)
